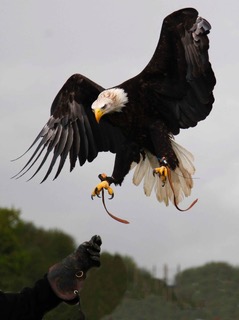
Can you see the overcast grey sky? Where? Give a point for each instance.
(42, 44)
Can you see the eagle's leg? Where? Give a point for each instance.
(163, 150)
(104, 184)
(129, 152)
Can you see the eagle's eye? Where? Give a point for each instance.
(104, 106)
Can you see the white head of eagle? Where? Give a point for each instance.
(109, 101)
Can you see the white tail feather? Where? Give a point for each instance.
(181, 177)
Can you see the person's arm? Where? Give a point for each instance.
(30, 303)
(62, 283)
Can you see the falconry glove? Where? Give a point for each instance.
(66, 277)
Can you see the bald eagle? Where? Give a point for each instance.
(137, 119)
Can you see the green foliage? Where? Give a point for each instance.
(212, 288)
(209, 292)
(13, 257)
(26, 252)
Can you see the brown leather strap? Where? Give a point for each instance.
(110, 214)
(174, 197)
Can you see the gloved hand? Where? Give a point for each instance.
(66, 277)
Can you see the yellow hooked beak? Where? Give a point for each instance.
(98, 114)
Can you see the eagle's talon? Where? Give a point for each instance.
(96, 192)
(112, 196)
(162, 171)
(93, 195)
(110, 192)
(99, 188)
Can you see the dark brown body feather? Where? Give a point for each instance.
(174, 91)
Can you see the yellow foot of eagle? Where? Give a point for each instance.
(162, 171)
(104, 184)
(165, 174)
(98, 189)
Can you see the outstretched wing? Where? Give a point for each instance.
(72, 129)
(178, 81)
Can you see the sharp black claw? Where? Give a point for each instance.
(97, 192)
(112, 196)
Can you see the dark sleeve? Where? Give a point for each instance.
(30, 303)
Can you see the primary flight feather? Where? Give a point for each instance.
(137, 119)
